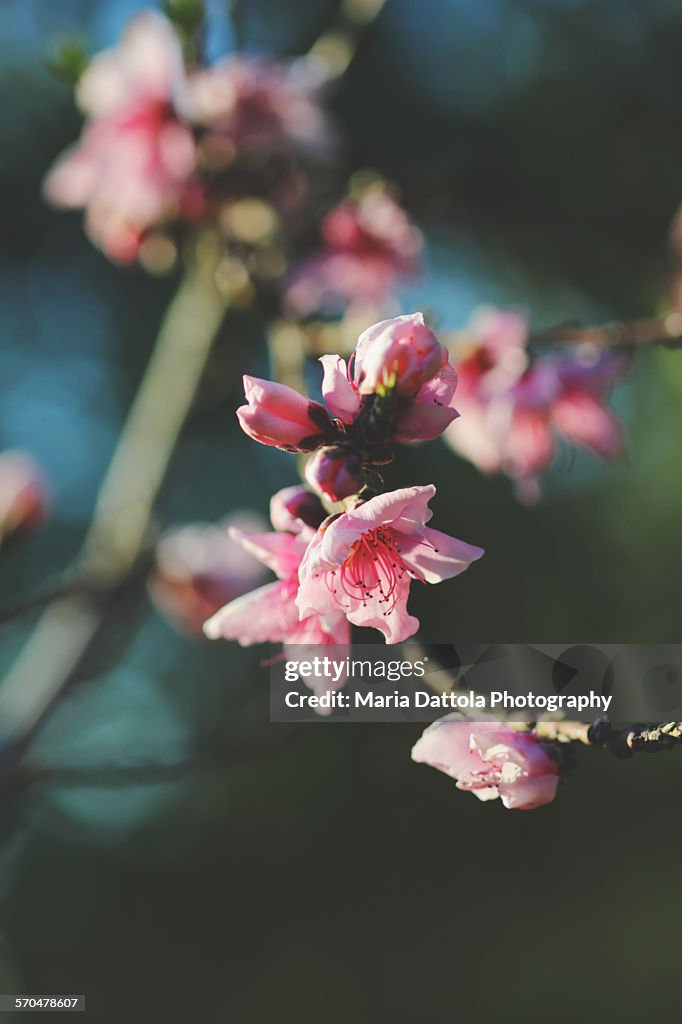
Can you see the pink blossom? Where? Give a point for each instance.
(490, 759)
(362, 562)
(407, 344)
(401, 353)
(24, 494)
(334, 473)
(370, 245)
(279, 416)
(256, 102)
(199, 568)
(513, 411)
(134, 164)
(270, 614)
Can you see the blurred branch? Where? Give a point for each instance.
(662, 330)
(147, 772)
(39, 600)
(123, 511)
(237, 19)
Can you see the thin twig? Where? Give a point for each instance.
(662, 330)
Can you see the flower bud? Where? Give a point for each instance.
(295, 507)
(401, 354)
(490, 759)
(24, 494)
(334, 473)
(277, 415)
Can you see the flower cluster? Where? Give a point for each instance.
(369, 246)
(164, 144)
(354, 566)
(514, 409)
(399, 386)
(168, 147)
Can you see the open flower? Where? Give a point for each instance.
(133, 166)
(370, 245)
(405, 354)
(270, 614)
(492, 760)
(513, 410)
(277, 415)
(362, 562)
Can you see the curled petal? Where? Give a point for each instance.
(339, 393)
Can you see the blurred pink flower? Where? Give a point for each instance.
(334, 473)
(491, 760)
(277, 415)
(370, 245)
(200, 567)
(24, 494)
(402, 345)
(270, 614)
(512, 411)
(362, 562)
(252, 101)
(133, 167)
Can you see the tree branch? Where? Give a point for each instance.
(662, 330)
(125, 503)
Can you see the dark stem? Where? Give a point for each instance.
(662, 330)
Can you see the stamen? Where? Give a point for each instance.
(374, 563)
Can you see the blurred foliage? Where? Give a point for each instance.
(151, 857)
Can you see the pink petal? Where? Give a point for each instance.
(266, 614)
(281, 552)
(583, 419)
(396, 625)
(436, 556)
(529, 445)
(339, 394)
(432, 410)
(445, 745)
(406, 509)
(314, 594)
(528, 793)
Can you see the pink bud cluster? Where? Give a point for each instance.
(356, 565)
(515, 409)
(398, 386)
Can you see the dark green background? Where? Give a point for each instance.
(167, 852)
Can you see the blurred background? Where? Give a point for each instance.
(165, 850)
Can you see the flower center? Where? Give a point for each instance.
(374, 564)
